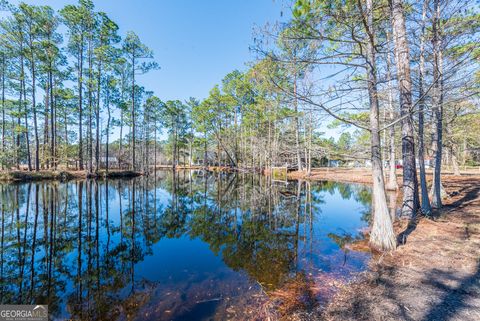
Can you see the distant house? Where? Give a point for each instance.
(427, 161)
(333, 163)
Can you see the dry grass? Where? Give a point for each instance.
(433, 276)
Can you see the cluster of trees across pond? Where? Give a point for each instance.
(376, 66)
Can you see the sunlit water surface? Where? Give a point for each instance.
(197, 246)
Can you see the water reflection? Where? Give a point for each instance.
(172, 246)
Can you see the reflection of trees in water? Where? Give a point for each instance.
(75, 245)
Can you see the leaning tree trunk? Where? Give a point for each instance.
(382, 236)
(402, 57)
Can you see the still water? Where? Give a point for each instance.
(189, 246)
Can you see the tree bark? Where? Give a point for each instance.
(382, 236)
(438, 108)
(34, 107)
(52, 118)
(27, 134)
(402, 57)
(297, 138)
(426, 207)
(3, 105)
(107, 145)
(392, 176)
(90, 104)
(80, 107)
(133, 109)
(97, 118)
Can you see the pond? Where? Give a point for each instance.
(189, 246)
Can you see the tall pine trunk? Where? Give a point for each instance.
(402, 58)
(437, 108)
(133, 110)
(52, 118)
(4, 124)
(46, 126)
(426, 208)
(90, 104)
(109, 116)
(392, 176)
(27, 134)
(97, 119)
(80, 107)
(34, 107)
(297, 125)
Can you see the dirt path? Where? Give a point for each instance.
(435, 275)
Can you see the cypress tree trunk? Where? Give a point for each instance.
(382, 236)
(402, 57)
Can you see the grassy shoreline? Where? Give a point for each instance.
(61, 175)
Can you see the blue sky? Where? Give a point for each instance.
(196, 42)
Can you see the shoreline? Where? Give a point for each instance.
(434, 275)
(60, 175)
(345, 175)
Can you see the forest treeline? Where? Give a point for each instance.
(402, 78)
